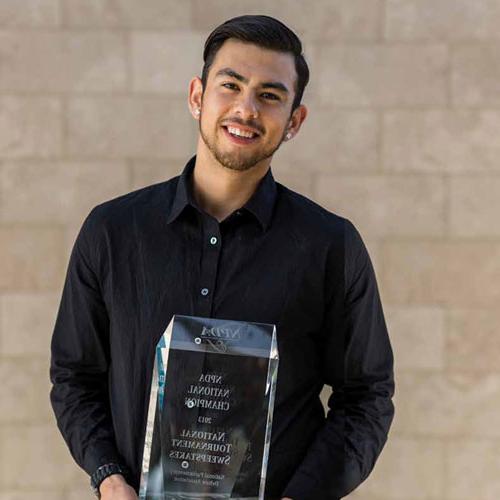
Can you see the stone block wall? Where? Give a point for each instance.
(402, 138)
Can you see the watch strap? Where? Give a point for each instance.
(103, 472)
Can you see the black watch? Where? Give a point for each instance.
(103, 472)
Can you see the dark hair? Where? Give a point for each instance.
(264, 31)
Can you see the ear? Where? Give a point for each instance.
(195, 98)
(296, 120)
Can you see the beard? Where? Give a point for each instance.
(238, 159)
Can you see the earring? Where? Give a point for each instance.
(197, 111)
(289, 135)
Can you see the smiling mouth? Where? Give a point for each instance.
(237, 139)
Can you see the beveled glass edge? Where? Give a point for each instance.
(272, 376)
(155, 400)
(184, 345)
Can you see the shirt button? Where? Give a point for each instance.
(204, 291)
(213, 240)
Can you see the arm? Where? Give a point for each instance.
(80, 358)
(360, 413)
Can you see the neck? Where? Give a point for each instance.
(218, 190)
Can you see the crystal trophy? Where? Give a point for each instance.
(210, 410)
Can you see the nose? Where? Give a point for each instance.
(246, 106)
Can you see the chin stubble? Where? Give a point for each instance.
(233, 161)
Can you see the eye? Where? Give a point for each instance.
(272, 95)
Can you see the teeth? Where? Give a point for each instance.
(241, 133)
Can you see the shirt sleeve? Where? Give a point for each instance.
(80, 359)
(360, 409)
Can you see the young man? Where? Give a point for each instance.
(225, 240)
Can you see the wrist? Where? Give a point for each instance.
(113, 474)
(112, 482)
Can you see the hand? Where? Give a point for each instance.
(115, 487)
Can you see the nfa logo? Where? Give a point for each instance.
(219, 336)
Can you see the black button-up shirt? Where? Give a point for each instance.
(281, 259)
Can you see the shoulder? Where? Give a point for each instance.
(143, 201)
(310, 216)
(334, 230)
(112, 219)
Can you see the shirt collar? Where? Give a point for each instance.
(260, 204)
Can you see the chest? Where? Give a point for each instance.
(278, 278)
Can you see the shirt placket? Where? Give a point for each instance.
(211, 249)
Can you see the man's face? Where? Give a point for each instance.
(236, 95)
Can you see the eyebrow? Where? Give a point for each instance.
(272, 85)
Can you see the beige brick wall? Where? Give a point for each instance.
(402, 138)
